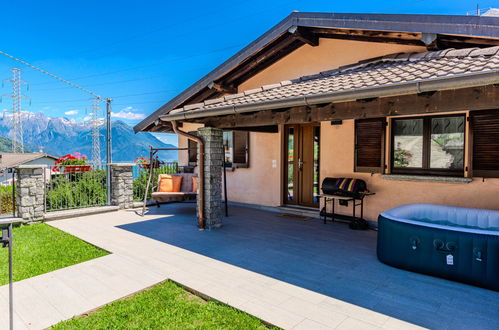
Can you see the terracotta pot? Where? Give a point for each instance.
(77, 168)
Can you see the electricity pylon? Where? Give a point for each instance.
(17, 123)
(96, 159)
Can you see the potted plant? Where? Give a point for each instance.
(72, 163)
(146, 163)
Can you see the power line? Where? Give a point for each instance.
(130, 80)
(151, 64)
(193, 18)
(209, 27)
(49, 74)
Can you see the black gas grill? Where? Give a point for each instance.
(345, 190)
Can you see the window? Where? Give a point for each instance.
(428, 145)
(193, 150)
(236, 149)
(369, 145)
(485, 132)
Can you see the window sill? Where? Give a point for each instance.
(423, 178)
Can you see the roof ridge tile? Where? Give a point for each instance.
(193, 106)
(233, 96)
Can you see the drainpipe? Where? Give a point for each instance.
(201, 224)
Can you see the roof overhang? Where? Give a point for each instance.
(298, 29)
(397, 89)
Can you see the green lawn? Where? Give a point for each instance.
(165, 306)
(39, 249)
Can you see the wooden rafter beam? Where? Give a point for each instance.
(222, 88)
(304, 36)
(477, 98)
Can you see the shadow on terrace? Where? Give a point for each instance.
(329, 259)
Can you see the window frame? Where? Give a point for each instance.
(192, 144)
(426, 169)
(233, 165)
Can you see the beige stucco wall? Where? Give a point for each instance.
(338, 161)
(330, 54)
(258, 184)
(261, 182)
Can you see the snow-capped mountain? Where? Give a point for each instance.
(58, 136)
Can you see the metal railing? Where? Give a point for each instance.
(74, 186)
(141, 174)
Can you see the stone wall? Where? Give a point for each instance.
(213, 161)
(30, 192)
(122, 185)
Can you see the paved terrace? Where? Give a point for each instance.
(291, 273)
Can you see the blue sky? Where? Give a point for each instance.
(142, 53)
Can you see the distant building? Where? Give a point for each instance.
(11, 160)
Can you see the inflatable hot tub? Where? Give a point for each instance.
(460, 244)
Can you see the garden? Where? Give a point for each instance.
(165, 306)
(75, 184)
(39, 249)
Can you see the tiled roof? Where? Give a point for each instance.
(8, 160)
(380, 71)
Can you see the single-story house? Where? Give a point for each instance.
(408, 103)
(8, 161)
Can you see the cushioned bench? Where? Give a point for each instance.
(186, 191)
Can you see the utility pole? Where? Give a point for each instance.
(17, 124)
(96, 158)
(109, 148)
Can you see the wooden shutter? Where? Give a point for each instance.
(485, 143)
(369, 145)
(193, 153)
(240, 149)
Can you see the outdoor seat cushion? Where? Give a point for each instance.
(169, 183)
(195, 184)
(187, 182)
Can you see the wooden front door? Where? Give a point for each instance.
(301, 172)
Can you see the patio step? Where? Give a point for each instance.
(56, 215)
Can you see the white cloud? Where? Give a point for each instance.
(124, 114)
(71, 112)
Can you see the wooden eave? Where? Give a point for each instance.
(463, 99)
(299, 29)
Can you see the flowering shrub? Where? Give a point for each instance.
(402, 157)
(72, 159)
(145, 163)
(141, 161)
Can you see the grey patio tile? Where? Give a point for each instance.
(273, 314)
(316, 312)
(395, 324)
(311, 325)
(355, 324)
(355, 311)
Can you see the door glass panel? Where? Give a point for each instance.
(317, 137)
(291, 167)
(447, 142)
(228, 147)
(408, 143)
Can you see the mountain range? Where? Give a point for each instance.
(58, 136)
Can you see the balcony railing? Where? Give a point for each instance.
(74, 186)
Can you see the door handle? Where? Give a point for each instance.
(300, 164)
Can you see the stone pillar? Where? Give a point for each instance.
(30, 192)
(213, 157)
(122, 185)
